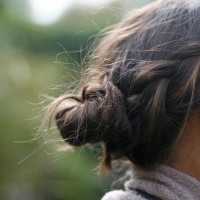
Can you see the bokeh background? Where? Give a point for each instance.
(42, 45)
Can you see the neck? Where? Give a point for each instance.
(186, 155)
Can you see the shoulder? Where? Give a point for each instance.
(122, 195)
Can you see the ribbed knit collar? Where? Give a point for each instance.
(165, 183)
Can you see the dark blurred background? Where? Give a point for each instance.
(42, 45)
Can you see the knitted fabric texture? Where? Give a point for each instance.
(164, 183)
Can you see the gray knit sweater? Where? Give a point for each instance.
(164, 183)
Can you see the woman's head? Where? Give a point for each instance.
(143, 85)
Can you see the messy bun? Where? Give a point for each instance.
(143, 85)
(96, 117)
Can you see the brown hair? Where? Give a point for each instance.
(142, 87)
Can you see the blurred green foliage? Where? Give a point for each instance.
(31, 169)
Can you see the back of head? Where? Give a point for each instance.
(143, 86)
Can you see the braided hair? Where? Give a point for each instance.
(143, 85)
